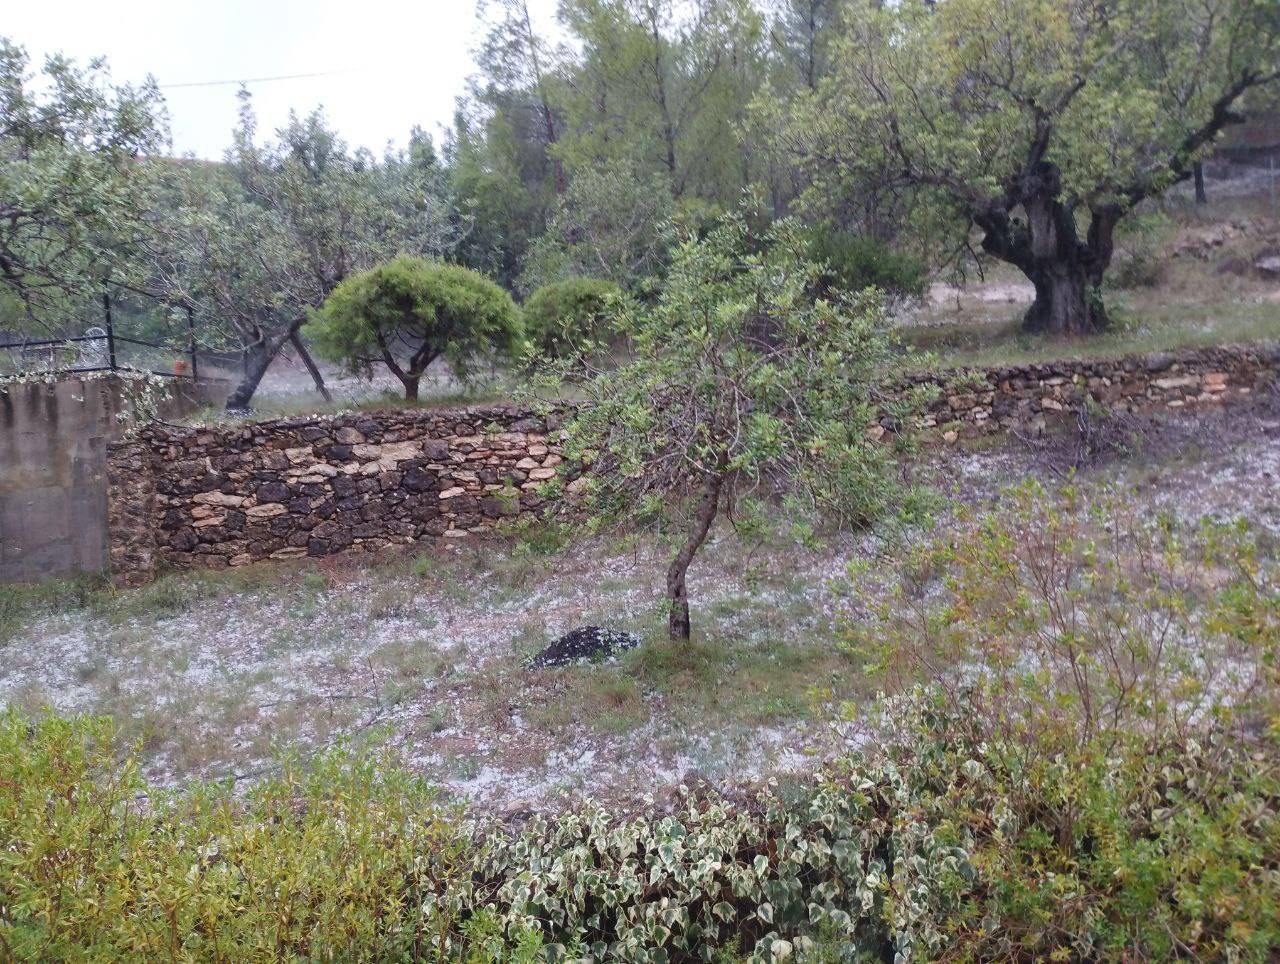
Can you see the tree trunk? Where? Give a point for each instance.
(677, 592)
(410, 383)
(257, 359)
(1201, 196)
(1066, 303)
(305, 355)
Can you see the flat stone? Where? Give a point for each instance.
(1180, 381)
(453, 493)
(399, 451)
(219, 498)
(541, 475)
(268, 511)
(349, 436)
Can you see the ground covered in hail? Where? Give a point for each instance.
(219, 675)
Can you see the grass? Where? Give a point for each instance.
(1143, 322)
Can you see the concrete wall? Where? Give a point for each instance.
(53, 490)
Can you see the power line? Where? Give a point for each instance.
(253, 80)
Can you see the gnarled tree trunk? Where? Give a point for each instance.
(258, 357)
(1067, 271)
(1066, 303)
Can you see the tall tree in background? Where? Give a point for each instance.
(1039, 123)
(72, 180)
(504, 168)
(257, 243)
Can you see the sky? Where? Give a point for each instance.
(386, 64)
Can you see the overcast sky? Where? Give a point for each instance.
(388, 64)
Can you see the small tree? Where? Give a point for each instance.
(407, 313)
(742, 381)
(569, 318)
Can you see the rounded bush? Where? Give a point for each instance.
(562, 317)
(854, 262)
(410, 311)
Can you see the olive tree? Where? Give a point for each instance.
(409, 312)
(73, 165)
(742, 384)
(1038, 123)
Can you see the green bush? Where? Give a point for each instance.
(334, 860)
(853, 262)
(409, 312)
(569, 318)
(940, 842)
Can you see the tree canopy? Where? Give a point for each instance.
(1039, 123)
(409, 312)
(73, 152)
(259, 241)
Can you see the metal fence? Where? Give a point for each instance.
(103, 349)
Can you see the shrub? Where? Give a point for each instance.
(938, 842)
(1060, 620)
(853, 262)
(407, 313)
(334, 859)
(570, 318)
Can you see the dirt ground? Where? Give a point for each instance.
(216, 676)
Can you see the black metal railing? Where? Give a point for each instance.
(107, 357)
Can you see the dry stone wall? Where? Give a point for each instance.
(283, 489)
(1030, 397)
(287, 488)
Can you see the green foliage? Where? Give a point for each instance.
(1018, 117)
(1141, 260)
(1111, 674)
(257, 243)
(608, 223)
(854, 262)
(408, 312)
(570, 318)
(1063, 623)
(740, 372)
(71, 185)
(946, 838)
(741, 380)
(336, 859)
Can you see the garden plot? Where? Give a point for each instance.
(216, 676)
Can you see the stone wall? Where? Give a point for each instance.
(288, 488)
(282, 489)
(1030, 397)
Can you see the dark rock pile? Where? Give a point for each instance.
(586, 644)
